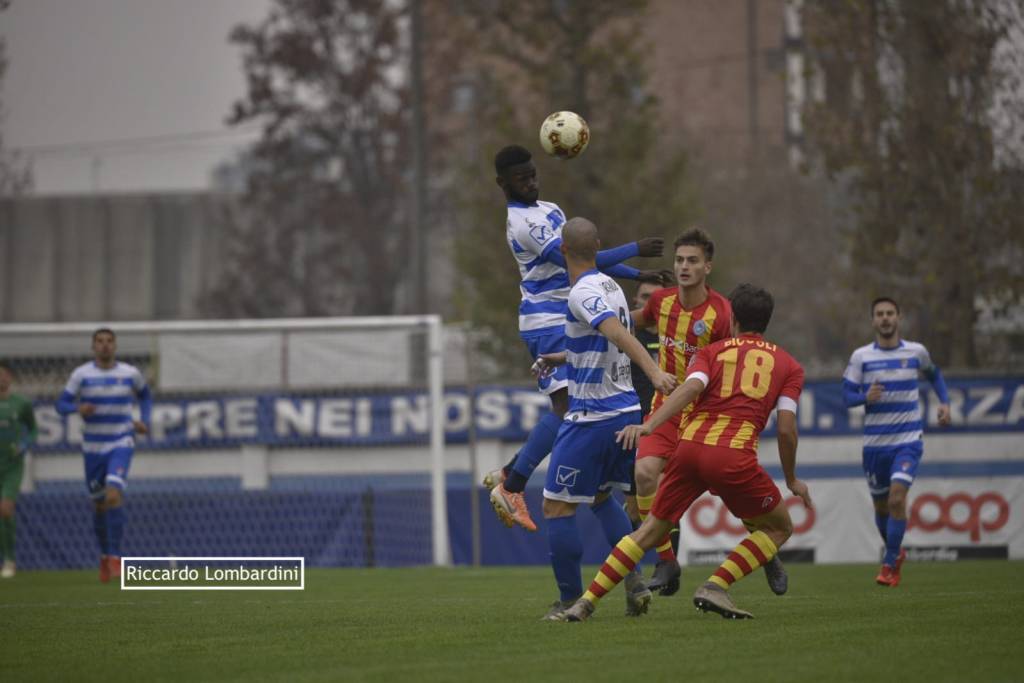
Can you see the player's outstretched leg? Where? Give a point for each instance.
(616, 525)
(617, 566)
(666, 575)
(620, 564)
(506, 496)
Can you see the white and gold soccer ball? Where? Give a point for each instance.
(564, 134)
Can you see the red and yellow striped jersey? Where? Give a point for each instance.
(682, 332)
(747, 377)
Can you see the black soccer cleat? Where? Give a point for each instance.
(778, 579)
(665, 579)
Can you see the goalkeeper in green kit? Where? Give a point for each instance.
(17, 432)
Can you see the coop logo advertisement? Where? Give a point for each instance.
(948, 519)
(505, 413)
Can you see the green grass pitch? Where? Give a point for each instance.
(947, 622)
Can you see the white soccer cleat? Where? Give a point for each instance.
(8, 570)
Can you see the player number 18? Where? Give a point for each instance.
(756, 376)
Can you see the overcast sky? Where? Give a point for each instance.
(88, 71)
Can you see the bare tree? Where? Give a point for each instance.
(319, 229)
(923, 120)
(524, 61)
(15, 174)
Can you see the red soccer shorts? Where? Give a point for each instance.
(734, 476)
(662, 442)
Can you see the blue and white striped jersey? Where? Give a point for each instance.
(600, 385)
(894, 420)
(532, 230)
(114, 393)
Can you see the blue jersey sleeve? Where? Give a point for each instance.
(66, 403)
(852, 394)
(621, 270)
(552, 253)
(616, 255)
(934, 376)
(145, 404)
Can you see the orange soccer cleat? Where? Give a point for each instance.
(888, 577)
(900, 559)
(511, 508)
(114, 569)
(104, 569)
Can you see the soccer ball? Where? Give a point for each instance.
(564, 134)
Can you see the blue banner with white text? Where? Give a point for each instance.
(500, 412)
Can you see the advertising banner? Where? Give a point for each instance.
(948, 519)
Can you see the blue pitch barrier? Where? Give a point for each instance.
(331, 521)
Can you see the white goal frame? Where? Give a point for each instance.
(434, 360)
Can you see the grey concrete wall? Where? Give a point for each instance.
(129, 257)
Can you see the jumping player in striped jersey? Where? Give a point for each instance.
(533, 232)
(884, 376)
(688, 317)
(737, 383)
(103, 392)
(586, 462)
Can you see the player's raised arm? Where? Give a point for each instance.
(609, 261)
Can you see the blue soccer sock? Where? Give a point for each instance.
(614, 520)
(99, 526)
(536, 448)
(566, 548)
(115, 530)
(894, 539)
(882, 522)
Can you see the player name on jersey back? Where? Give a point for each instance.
(746, 378)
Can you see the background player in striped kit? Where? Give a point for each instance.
(687, 317)
(103, 392)
(736, 383)
(17, 432)
(534, 235)
(884, 376)
(586, 462)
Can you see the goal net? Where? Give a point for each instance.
(320, 438)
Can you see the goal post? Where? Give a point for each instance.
(269, 401)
